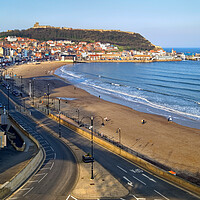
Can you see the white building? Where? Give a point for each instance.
(12, 38)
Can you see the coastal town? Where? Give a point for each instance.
(18, 50)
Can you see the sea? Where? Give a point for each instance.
(169, 89)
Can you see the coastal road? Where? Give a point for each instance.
(57, 175)
(142, 185)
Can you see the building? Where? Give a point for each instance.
(11, 38)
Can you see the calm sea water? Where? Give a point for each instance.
(163, 88)
(186, 51)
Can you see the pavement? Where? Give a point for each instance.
(13, 161)
(104, 185)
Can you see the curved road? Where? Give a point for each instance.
(57, 175)
(142, 185)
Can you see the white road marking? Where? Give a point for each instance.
(139, 180)
(13, 198)
(129, 182)
(49, 154)
(45, 168)
(40, 174)
(28, 192)
(48, 163)
(48, 150)
(122, 169)
(42, 178)
(33, 181)
(39, 137)
(138, 198)
(161, 195)
(52, 166)
(68, 197)
(25, 189)
(51, 148)
(44, 142)
(45, 146)
(74, 198)
(149, 178)
(136, 171)
(71, 197)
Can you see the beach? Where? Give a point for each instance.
(168, 143)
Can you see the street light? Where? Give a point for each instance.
(21, 83)
(8, 88)
(78, 112)
(92, 143)
(48, 97)
(24, 104)
(33, 89)
(59, 129)
(119, 131)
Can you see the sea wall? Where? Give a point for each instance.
(129, 61)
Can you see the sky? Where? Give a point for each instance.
(170, 23)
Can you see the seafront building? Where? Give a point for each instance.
(17, 50)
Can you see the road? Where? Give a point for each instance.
(141, 184)
(57, 175)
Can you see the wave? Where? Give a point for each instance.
(143, 101)
(176, 88)
(114, 86)
(80, 78)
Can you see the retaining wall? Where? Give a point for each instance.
(27, 171)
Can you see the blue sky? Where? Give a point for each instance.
(171, 23)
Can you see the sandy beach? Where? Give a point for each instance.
(165, 142)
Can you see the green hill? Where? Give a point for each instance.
(125, 40)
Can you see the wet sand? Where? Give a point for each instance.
(168, 143)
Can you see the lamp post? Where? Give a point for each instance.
(48, 98)
(33, 90)
(8, 88)
(21, 83)
(92, 148)
(78, 114)
(24, 104)
(59, 129)
(92, 143)
(119, 131)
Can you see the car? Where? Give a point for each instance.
(87, 158)
(3, 84)
(1, 106)
(15, 93)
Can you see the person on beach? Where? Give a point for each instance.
(169, 119)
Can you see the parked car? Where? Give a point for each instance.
(87, 158)
(15, 93)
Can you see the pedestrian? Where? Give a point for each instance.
(143, 121)
(169, 119)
